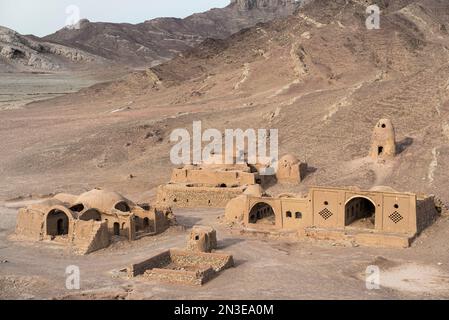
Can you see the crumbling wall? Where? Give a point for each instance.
(195, 278)
(161, 260)
(185, 267)
(426, 213)
(290, 170)
(90, 236)
(182, 196)
(217, 261)
(213, 177)
(163, 220)
(236, 209)
(30, 225)
(202, 239)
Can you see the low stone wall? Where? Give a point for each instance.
(213, 177)
(182, 196)
(178, 266)
(158, 261)
(217, 261)
(196, 278)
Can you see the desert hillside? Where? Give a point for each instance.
(319, 76)
(100, 45)
(158, 40)
(28, 53)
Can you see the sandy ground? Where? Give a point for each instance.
(19, 89)
(324, 105)
(264, 268)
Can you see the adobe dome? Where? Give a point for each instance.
(383, 189)
(69, 199)
(254, 190)
(105, 201)
(44, 206)
(289, 158)
(383, 141)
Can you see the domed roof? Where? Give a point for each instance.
(66, 198)
(383, 189)
(103, 200)
(254, 190)
(45, 205)
(289, 158)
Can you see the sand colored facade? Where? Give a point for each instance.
(383, 145)
(87, 222)
(214, 184)
(376, 217)
(202, 239)
(208, 185)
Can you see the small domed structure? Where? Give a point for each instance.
(383, 141)
(202, 239)
(290, 170)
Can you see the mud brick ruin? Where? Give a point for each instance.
(383, 141)
(89, 221)
(206, 185)
(380, 216)
(202, 239)
(290, 170)
(214, 185)
(194, 266)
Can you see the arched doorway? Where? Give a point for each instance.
(262, 213)
(116, 229)
(146, 224)
(360, 212)
(57, 223)
(137, 224)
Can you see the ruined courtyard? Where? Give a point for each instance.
(362, 178)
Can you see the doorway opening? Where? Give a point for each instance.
(116, 229)
(361, 213)
(262, 213)
(57, 223)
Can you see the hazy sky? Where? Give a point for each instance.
(42, 17)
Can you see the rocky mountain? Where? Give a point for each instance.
(319, 76)
(24, 53)
(158, 40)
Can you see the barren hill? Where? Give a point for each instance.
(160, 39)
(24, 53)
(320, 77)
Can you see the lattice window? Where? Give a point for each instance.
(325, 214)
(396, 217)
